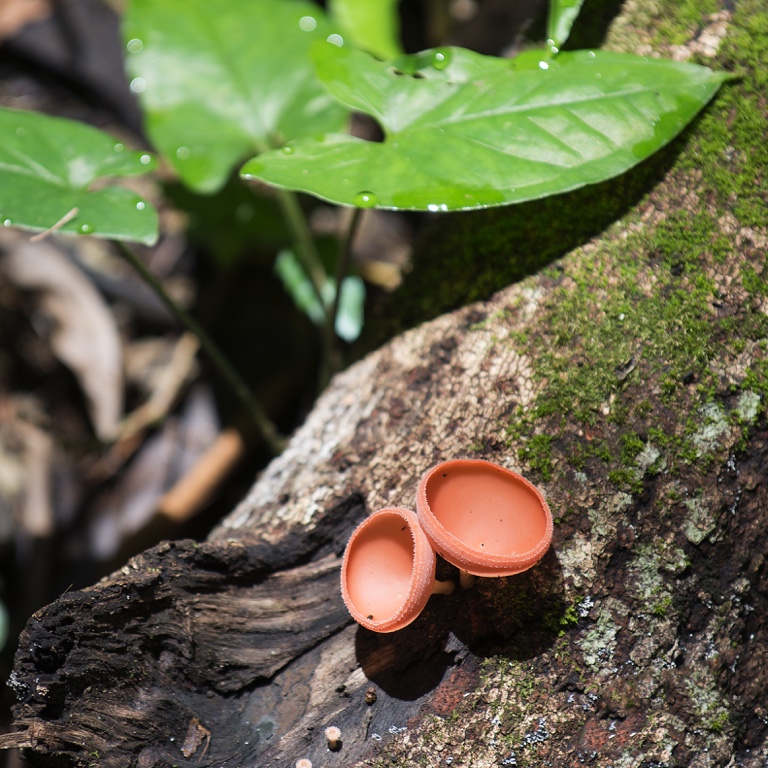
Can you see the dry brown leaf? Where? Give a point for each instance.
(37, 517)
(86, 337)
(28, 508)
(132, 502)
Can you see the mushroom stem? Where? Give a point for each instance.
(467, 580)
(333, 734)
(443, 587)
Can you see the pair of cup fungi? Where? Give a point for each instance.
(484, 519)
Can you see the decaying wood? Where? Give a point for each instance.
(640, 640)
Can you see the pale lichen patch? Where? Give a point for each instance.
(646, 581)
(748, 406)
(599, 642)
(714, 425)
(604, 516)
(700, 521)
(648, 457)
(577, 559)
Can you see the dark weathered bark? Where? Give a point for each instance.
(630, 381)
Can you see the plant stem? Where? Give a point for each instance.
(266, 428)
(345, 259)
(307, 255)
(303, 242)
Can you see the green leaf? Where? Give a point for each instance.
(219, 81)
(562, 14)
(294, 279)
(48, 166)
(479, 132)
(349, 319)
(371, 25)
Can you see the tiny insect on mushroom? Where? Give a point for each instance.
(483, 518)
(388, 571)
(333, 734)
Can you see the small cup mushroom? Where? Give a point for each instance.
(483, 518)
(333, 734)
(388, 571)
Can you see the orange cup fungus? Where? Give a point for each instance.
(482, 518)
(388, 570)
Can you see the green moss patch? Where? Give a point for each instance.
(666, 314)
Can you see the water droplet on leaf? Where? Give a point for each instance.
(141, 205)
(85, 229)
(119, 147)
(441, 58)
(135, 45)
(336, 40)
(183, 153)
(365, 200)
(145, 159)
(543, 65)
(7, 223)
(287, 149)
(138, 85)
(307, 23)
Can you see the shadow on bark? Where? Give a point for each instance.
(517, 617)
(460, 258)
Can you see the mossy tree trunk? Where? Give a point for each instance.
(629, 379)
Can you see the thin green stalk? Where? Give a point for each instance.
(308, 256)
(345, 259)
(266, 428)
(303, 242)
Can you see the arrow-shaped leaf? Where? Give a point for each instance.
(221, 80)
(48, 167)
(469, 131)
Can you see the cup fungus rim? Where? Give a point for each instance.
(474, 561)
(422, 576)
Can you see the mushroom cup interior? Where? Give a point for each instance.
(380, 567)
(491, 511)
